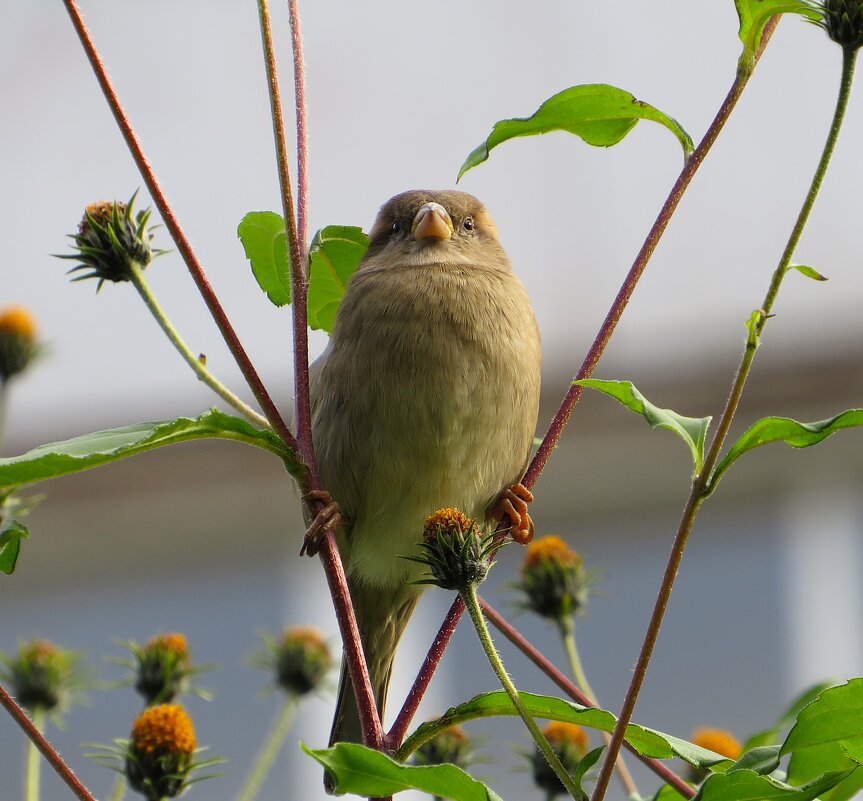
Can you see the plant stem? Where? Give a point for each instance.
(567, 634)
(539, 659)
(47, 750)
(702, 487)
(267, 755)
(691, 166)
(370, 723)
(183, 246)
(31, 792)
(302, 127)
(119, 789)
(471, 601)
(197, 365)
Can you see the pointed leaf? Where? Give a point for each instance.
(584, 765)
(366, 772)
(496, 704)
(266, 245)
(754, 15)
(10, 545)
(334, 255)
(102, 447)
(836, 716)
(784, 429)
(692, 430)
(789, 715)
(746, 785)
(600, 114)
(809, 272)
(764, 760)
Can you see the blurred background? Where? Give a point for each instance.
(203, 538)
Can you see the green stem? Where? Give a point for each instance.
(119, 789)
(140, 282)
(472, 603)
(267, 755)
(4, 401)
(567, 633)
(31, 792)
(702, 486)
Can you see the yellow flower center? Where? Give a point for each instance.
(172, 641)
(718, 740)
(17, 320)
(164, 729)
(558, 733)
(449, 520)
(549, 549)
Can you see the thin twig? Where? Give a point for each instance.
(370, 723)
(302, 138)
(638, 266)
(701, 486)
(562, 681)
(183, 246)
(48, 751)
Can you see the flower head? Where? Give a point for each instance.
(843, 21)
(457, 554)
(162, 667)
(299, 660)
(159, 752)
(554, 583)
(450, 746)
(717, 740)
(110, 239)
(569, 743)
(43, 677)
(18, 344)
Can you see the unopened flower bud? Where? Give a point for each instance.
(17, 341)
(42, 676)
(301, 660)
(554, 583)
(843, 21)
(717, 740)
(450, 746)
(569, 743)
(160, 750)
(110, 239)
(454, 550)
(163, 667)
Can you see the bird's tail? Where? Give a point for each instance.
(382, 618)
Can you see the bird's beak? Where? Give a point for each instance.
(432, 221)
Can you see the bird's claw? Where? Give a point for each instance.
(512, 503)
(328, 517)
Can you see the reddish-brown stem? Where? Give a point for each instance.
(176, 232)
(538, 659)
(302, 141)
(638, 266)
(47, 750)
(398, 730)
(370, 723)
(693, 503)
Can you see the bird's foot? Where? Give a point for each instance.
(512, 503)
(329, 517)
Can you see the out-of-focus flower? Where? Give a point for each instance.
(42, 676)
(451, 746)
(554, 583)
(299, 660)
(717, 740)
(18, 345)
(569, 743)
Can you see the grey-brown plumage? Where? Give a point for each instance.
(426, 397)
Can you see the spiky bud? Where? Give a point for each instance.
(160, 750)
(110, 238)
(43, 676)
(301, 660)
(163, 667)
(843, 21)
(554, 583)
(456, 553)
(450, 746)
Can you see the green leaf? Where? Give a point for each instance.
(787, 718)
(366, 772)
(836, 716)
(334, 255)
(600, 114)
(809, 272)
(266, 245)
(692, 430)
(764, 759)
(10, 545)
(584, 765)
(808, 763)
(746, 785)
(497, 704)
(784, 429)
(754, 15)
(92, 450)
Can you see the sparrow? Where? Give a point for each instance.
(426, 397)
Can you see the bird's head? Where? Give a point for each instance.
(423, 228)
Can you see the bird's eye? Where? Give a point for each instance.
(396, 227)
(468, 224)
